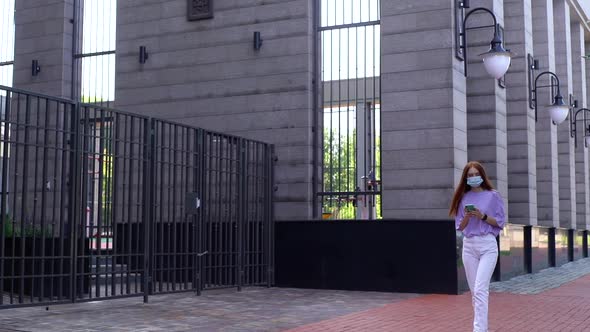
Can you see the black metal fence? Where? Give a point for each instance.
(99, 203)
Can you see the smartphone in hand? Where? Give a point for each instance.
(469, 207)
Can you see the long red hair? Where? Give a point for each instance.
(462, 188)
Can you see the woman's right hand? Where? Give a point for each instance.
(468, 215)
(465, 221)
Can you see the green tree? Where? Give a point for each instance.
(340, 173)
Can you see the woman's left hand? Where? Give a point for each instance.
(477, 213)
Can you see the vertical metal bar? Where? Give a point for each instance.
(266, 192)
(34, 192)
(100, 225)
(195, 226)
(110, 205)
(227, 212)
(201, 189)
(15, 191)
(339, 110)
(115, 199)
(102, 23)
(130, 156)
(244, 213)
(268, 208)
(151, 183)
(186, 248)
(174, 205)
(208, 206)
(86, 182)
(44, 188)
(148, 202)
(161, 168)
(25, 201)
(6, 125)
(251, 238)
(256, 219)
(245, 222)
(317, 131)
(239, 220)
(169, 207)
(262, 208)
(125, 210)
(139, 199)
(75, 34)
(74, 203)
(348, 186)
(218, 211)
(66, 213)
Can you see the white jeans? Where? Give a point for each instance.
(480, 254)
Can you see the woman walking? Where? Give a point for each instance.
(479, 213)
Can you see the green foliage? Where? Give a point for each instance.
(107, 186)
(12, 229)
(92, 99)
(340, 173)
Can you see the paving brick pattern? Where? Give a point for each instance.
(556, 299)
(545, 279)
(253, 309)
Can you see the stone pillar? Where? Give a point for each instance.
(43, 32)
(522, 170)
(423, 120)
(486, 101)
(545, 132)
(565, 147)
(581, 152)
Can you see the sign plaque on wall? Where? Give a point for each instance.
(200, 9)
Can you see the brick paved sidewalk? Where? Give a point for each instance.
(550, 305)
(555, 299)
(544, 279)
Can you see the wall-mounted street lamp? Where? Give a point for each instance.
(558, 110)
(257, 40)
(35, 68)
(143, 54)
(574, 120)
(497, 60)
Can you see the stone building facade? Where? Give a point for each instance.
(434, 119)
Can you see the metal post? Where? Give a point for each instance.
(551, 246)
(6, 127)
(75, 194)
(570, 245)
(528, 248)
(148, 204)
(585, 243)
(243, 215)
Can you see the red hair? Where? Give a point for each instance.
(462, 188)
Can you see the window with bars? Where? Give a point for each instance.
(94, 51)
(349, 48)
(94, 82)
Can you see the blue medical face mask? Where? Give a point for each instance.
(474, 181)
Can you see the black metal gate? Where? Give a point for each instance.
(99, 203)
